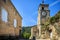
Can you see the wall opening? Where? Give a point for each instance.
(50, 33)
(4, 15)
(15, 23)
(42, 8)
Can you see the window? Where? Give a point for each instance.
(19, 31)
(4, 15)
(42, 8)
(15, 22)
(4, 1)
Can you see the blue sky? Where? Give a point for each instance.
(28, 9)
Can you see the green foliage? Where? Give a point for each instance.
(55, 18)
(52, 20)
(26, 32)
(26, 35)
(26, 29)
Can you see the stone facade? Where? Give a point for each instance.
(43, 16)
(45, 30)
(7, 28)
(34, 31)
(52, 33)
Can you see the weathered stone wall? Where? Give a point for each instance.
(7, 28)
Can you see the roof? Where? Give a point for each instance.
(44, 5)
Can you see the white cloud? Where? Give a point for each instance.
(54, 3)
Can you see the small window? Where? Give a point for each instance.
(4, 1)
(19, 26)
(20, 31)
(15, 23)
(42, 8)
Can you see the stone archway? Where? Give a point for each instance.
(50, 33)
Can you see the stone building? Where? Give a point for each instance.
(34, 31)
(10, 19)
(44, 30)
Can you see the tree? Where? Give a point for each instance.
(26, 32)
(52, 20)
(26, 35)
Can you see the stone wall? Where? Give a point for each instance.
(7, 28)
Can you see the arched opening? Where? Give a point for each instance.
(20, 33)
(34, 38)
(4, 15)
(50, 31)
(15, 23)
(42, 8)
